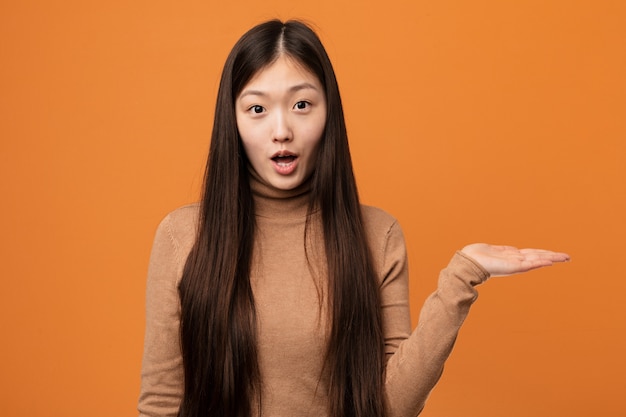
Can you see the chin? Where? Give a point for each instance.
(286, 185)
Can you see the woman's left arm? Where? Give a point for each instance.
(416, 360)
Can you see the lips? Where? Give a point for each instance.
(284, 162)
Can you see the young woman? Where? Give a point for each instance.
(279, 294)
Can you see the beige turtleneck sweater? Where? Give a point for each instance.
(292, 327)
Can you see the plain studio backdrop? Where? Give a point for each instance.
(469, 121)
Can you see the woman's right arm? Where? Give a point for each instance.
(162, 367)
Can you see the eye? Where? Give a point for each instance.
(302, 105)
(256, 109)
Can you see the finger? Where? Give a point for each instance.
(531, 264)
(535, 250)
(555, 256)
(539, 255)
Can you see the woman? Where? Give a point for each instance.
(279, 294)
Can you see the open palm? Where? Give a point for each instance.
(507, 260)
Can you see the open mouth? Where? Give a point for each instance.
(284, 160)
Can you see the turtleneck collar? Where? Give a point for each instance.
(272, 202)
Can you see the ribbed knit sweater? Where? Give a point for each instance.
(292, 330)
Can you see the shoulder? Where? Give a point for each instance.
(380, 227)
(183, 218)
(378, 222)
(386, 241)
(179, 228)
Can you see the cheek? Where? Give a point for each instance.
(248, 138)
(247, 145)
(316, 131)
(314, 145)
(253, 153)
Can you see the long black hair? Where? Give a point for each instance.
(218, 319)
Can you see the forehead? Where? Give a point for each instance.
(282, 74)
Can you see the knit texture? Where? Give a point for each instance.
(288, 282)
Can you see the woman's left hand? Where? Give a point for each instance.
(507, 260)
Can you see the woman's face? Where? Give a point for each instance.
(281, 115)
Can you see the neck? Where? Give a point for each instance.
(270, 201)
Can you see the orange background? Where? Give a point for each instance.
(489, 120)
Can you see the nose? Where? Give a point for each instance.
(282, 128)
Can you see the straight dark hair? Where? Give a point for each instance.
(218, 319)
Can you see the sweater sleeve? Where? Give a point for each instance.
(162, 370)
(415, 362)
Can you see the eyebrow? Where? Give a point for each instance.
(293, 89)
